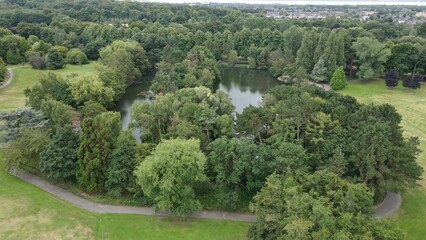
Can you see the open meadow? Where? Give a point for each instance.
(411, 104)
(12, 96)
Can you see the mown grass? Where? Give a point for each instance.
(12, 96)
(411, 104)
(27, 212)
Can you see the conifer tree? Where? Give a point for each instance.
(95, 153)
(120, 171)
(338, 81)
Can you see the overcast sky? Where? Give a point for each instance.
(289, 2)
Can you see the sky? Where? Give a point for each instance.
(302, 2)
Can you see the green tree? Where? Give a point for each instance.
(58, 113)
(25, 150)
(95, 152)
(92, 109)
(306, 52)
(320, 71)
(372, 56)
(233, 57)
(89, 87)
(292, 40)
(76, 56)
(59, 159)
(120, 175)
(276, 62)
(168, 175)
(128, 58)
(317, 206)
(406, 58)
(50, 86)
(54, 59)
(338, 81)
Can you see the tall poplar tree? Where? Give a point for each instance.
(305, 54)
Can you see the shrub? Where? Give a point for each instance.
(412, 81)
(338, 81)
(392, 78)
(75, 56)
(54, 59)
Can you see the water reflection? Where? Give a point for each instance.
(244, 86)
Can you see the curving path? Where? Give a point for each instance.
(104, 208)
(390, 204)
(9, 78)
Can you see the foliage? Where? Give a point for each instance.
(199, 68)
(3, 70)
(168, 175)
(59, 159)
(406, 58)
(37, 61)
(305, 54)
(412, 81)
(91, 109)
(54, 59)
(90, 87)
(233, 57)
(50, 86)
(372, 55)
(98, 140)
(392, 78)
(26, 148)
(189, 112)
(317, 206)
(127, 58)
(338, 81)
(76, 56)
(13, 122)
(120, 172)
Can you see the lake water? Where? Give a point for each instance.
(244, 86)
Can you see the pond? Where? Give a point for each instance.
(244, 86)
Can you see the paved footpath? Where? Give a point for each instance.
(104, 208)
(390, 204)
(387, 207)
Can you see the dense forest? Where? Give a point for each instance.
(309, 163)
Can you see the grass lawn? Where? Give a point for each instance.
(411, 104)
(12, 96)
(27, 212)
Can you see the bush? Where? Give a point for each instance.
(412, 81)
(54, 59)
(338, 81)
(37, 61)
(392, 78)
(75, 56)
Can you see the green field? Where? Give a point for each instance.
(12, 96)
(411, 104)
(27, 212)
